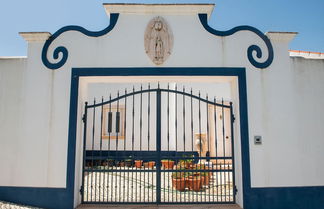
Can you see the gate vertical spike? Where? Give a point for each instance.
(208, 143)
(192, 131)
(176, 129)
(199, 118)
(125, 142)
(117, 135)
(158, 146)
(100, 152)
(148, 136)
(84, 155)
(224, 149)
(184, 125)
(141, 130)
(133, 116)
(216, 154)
(92, 160)
(109, 140)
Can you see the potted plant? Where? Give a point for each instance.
(179, 181)
(138, 163)
(109, 162)
(149, 164)
(167, 164)
(129, 162)
(194, 182)
(187, 163)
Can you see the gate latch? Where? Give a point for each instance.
(81, 190)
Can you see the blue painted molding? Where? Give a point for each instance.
(63, 50)
(251, 49)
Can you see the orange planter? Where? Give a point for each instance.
(194, 183)
(167, 164)
(205, 180)
(138, 163)
(179, 184)
(149, 164)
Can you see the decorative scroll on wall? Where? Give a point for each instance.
(158, 42)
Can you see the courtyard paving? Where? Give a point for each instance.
(232, 206)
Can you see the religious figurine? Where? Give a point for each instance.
(158, 40)
(201, 145)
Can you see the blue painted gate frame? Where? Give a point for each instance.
(254, 198)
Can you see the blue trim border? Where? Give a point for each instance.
(251, 49)
(63, 50)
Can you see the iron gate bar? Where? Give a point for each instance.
(207, 138)
(158, 144)
(223, 130)
(93, 132)
(125, 140)
(100, 162)
(84, 118)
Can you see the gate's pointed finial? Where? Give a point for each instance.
(176, 87)
(149, 85)
(158, 85)
(141, 87)
(133, 88)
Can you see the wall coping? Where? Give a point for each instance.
(169, 9)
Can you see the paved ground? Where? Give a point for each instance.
(159, 207)
(6, 205)
(134, 186)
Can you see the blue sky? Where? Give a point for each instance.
(305, 17)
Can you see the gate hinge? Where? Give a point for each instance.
(83, 118)
(81, 190)
(233, 118)
(235, 190)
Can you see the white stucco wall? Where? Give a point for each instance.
(284, 102)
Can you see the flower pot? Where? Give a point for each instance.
(138, 163)
(179, 184)
(205, 180)
(109, 163)
(194, 183)
(167, 164)
(149, 164)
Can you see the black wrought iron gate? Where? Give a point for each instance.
(158, 145)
